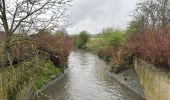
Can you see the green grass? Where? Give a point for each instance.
(37, 71)
(112, 37)
(46, 72)
(96, 44)
(108, 38)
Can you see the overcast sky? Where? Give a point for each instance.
(94, 15)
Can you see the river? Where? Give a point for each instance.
(87, 78)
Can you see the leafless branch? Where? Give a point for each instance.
(27, 12)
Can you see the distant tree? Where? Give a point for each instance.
(29, 15)
(43, 31)
(107, 31)
(82, 39)
(134, 27)
(61, 32)
(154, 13)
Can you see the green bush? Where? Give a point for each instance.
(95, 45)
(82, 39)
(114, 37)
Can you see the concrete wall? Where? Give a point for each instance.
(156, 84)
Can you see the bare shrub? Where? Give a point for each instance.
(107, 53)
(45, 44)
(153, 46)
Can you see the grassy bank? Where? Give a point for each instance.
(110, 45)
(38, 72)
(96, 44)
(34, 61)
(47, 73)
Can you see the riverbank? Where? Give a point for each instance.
(129, 79)
(16, 83)
(35, 61)
(32, 95)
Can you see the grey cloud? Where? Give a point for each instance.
(93, 15)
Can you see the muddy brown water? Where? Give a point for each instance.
(87, 78)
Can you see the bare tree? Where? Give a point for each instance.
(30, 15)
(154, 13)
(164, 11)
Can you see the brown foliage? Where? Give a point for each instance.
(107, 53)
(153, 45)
(56, 48)
(120, 58)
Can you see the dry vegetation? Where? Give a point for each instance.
(153, 46)
(33, 60)
(56, 48)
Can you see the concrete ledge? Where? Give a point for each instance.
(129, 79)
(156, 84)
(32, 94)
